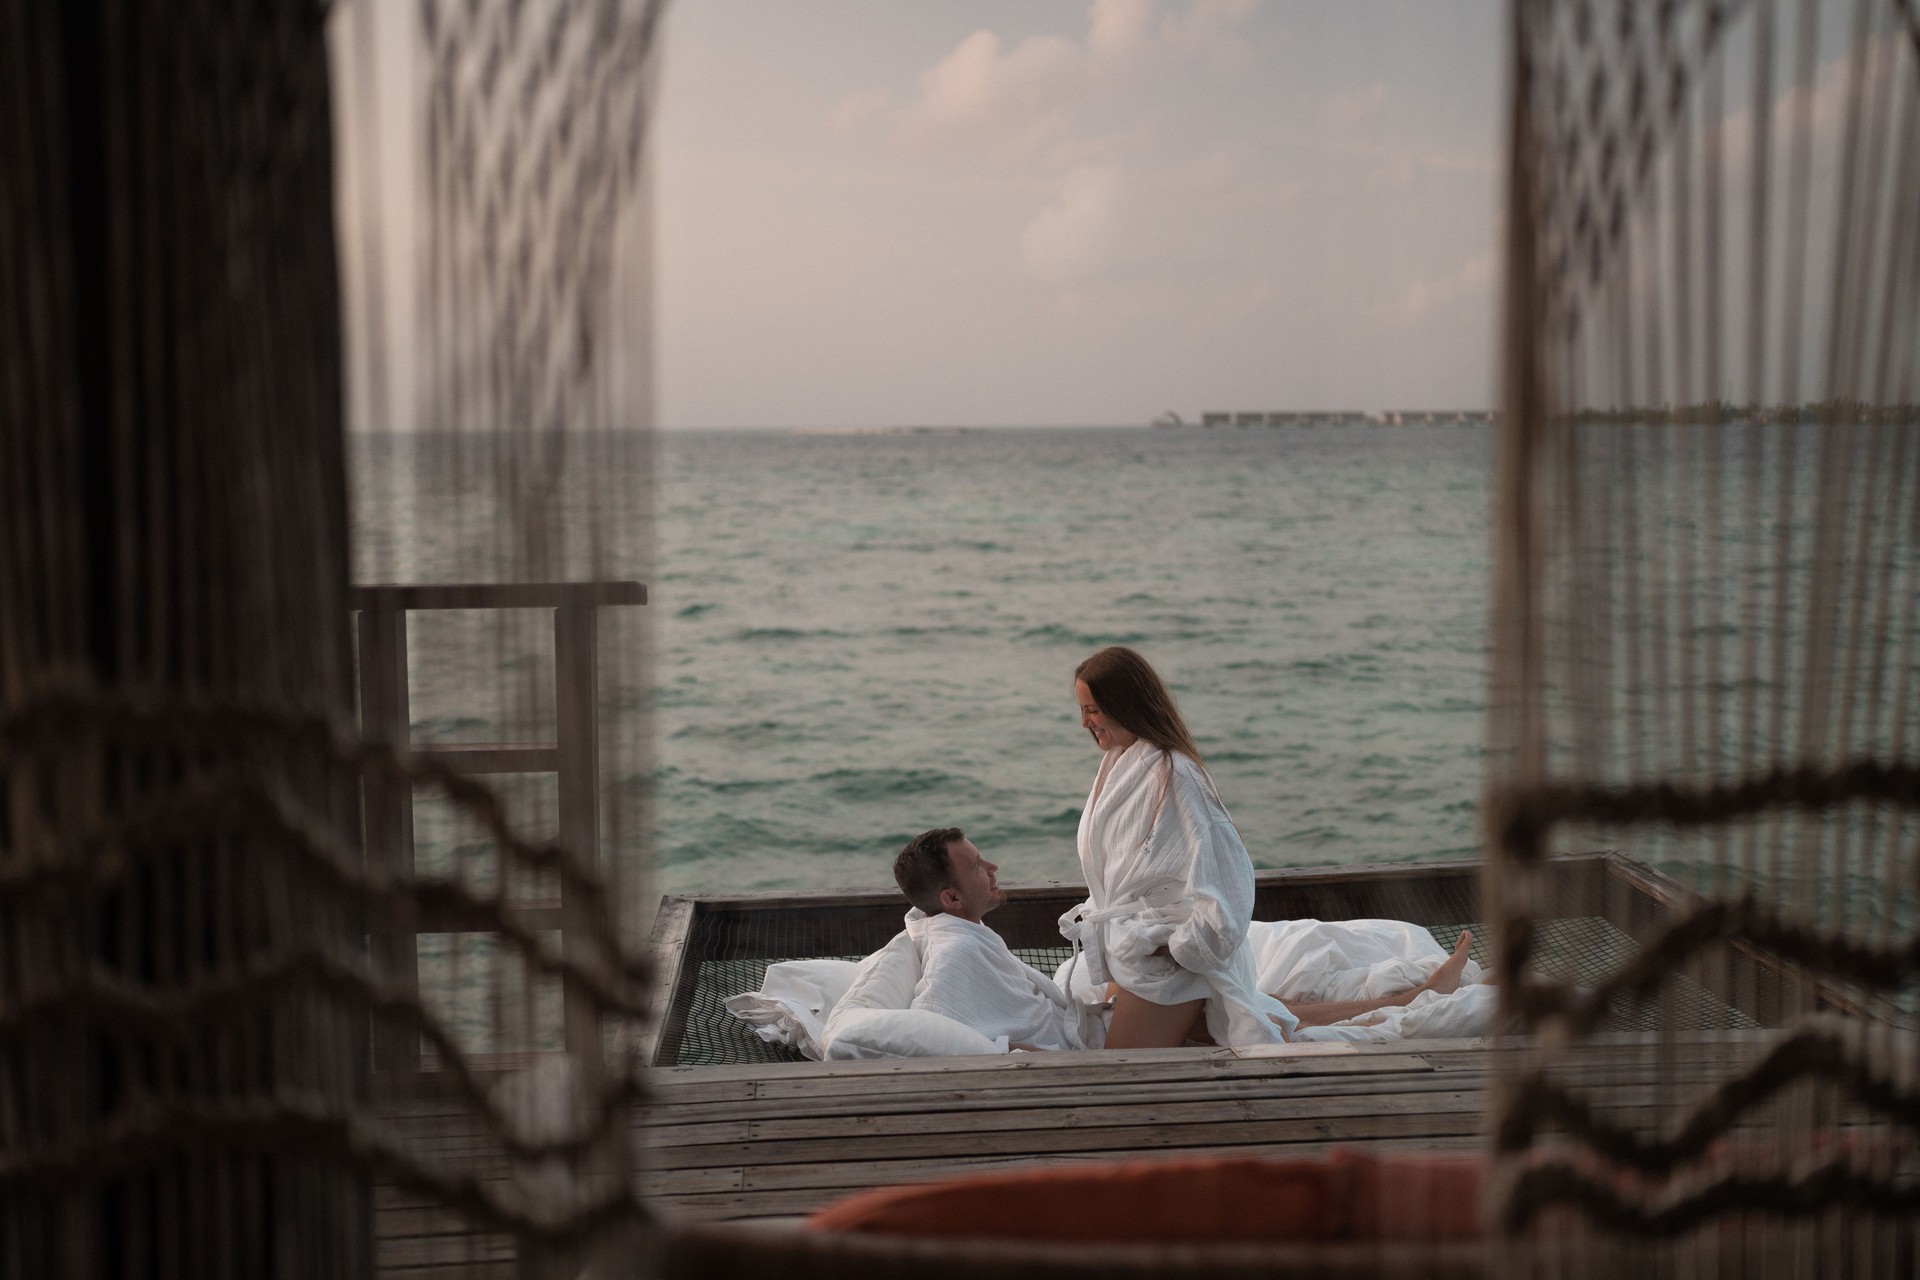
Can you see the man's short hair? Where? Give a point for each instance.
(924, 868)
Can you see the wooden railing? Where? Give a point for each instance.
(574, 755)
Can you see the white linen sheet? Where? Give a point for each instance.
(1311, 961)
(978, 983)
(794, 1001)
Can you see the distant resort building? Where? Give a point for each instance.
(1329, 417)
(1431, 417)
(1274, 418)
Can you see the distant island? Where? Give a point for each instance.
(1722, 413)
(1726, 413)
(1325, 417)
(883, 431)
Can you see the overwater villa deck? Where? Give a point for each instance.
(739, 1135)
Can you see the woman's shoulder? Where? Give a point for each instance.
(1185, 766)
(1189, 777)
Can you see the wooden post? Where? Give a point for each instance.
(385, 713)
(673, 927)
(576, 673)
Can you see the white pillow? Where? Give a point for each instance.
(874, 1019)
(794, 1001)
(855, 1033)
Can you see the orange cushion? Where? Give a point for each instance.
(1343, 1197)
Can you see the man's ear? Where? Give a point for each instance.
(950, 899)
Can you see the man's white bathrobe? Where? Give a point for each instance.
(968, 974)
(1180, 879)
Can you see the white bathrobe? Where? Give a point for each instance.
(968, 974)
(1180, 880)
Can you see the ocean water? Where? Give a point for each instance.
(853, 638)
(859, 637)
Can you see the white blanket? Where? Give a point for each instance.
(1310, 961)
(794, 1002)
(977, 984)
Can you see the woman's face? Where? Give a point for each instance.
(1107, 735)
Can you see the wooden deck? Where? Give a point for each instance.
(771, 1142)
(743, 1145)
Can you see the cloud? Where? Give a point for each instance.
(1422, 297)
(1116, 28)
(1345, 110)
(1042, 106)
(979, 89)
(1248, 298)
(1076, 238)
(1824, 103)
(869, 105)
(1205, 23)
(986, 93)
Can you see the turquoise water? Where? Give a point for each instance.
(859, 637)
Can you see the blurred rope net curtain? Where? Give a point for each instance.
(1708, 567)
(322, 814)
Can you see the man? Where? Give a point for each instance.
(966, 971)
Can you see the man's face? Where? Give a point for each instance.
(974, 891)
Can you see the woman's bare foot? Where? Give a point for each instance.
(1446, 979)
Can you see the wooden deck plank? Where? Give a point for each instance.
(449, 1136)
(1430, 1136)
(664, 1078)
(1032, 1129)
(779, 1141)
(1133, 1061)
(1107, 1128)
(1118, 1144)
(959, 1100)
(993, 1110)
(786, 1137)
(958, 1103)
(790, 1201)
(1090, 1073)
(919, 1160)
(768, 1079)
(449, 1251)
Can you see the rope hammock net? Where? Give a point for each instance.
(1708, 564)
(319, 846)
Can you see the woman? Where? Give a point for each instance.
(1170, 883)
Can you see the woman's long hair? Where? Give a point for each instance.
(1131, 694)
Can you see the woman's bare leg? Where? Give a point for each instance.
(1445, 980)
(1142, 1024)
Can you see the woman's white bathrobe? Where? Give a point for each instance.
(1180, 880)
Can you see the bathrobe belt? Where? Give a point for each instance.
(1078, 924)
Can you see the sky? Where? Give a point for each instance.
(1050, 212)
(867, 213)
